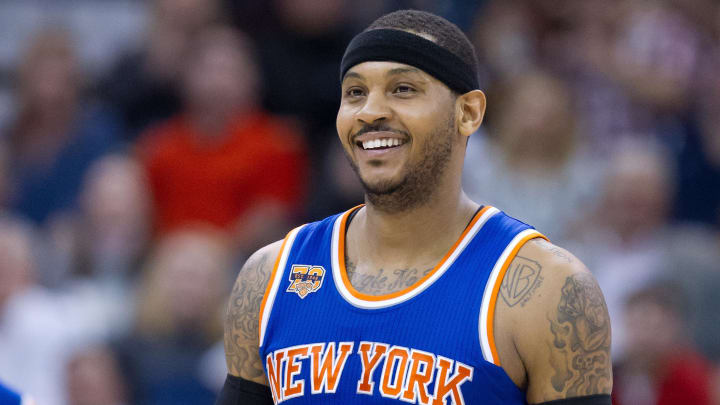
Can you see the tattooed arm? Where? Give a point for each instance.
(241, 322)
(553, 329)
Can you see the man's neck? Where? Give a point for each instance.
(417, 237)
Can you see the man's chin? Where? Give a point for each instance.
(381, 187)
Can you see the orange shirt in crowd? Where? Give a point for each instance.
(199, 180)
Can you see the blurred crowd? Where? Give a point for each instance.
(148, 147)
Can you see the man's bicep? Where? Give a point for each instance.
(570, 354)
(241, 322)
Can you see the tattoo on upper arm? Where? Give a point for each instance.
(241, 323)
(521, 280)
(580, 351)
(556, 251)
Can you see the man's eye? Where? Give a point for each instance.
(354, 92)
(403, 89)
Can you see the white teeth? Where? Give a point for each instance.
(381, 143)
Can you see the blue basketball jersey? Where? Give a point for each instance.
(323, 342)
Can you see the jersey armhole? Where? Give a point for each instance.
(274, 283)
(492, 289)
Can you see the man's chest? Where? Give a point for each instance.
(384, 280)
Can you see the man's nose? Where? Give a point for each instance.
(375, 109)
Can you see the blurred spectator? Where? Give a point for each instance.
(656, 56)
(20, 317)
(605, 110)
(698, 155)
(300, 65)
(94, 254)
(692, 261)
(56, 135)
(16, 268)
(625, 241)
(461, 12)
(640, 78)
(300, 61)
(94, 378)
(179, 318)
(4, 177)
(716, 387)
(108, 233)
(143, 86)
(38, 329)
(10, 397)
(505, 40)
(114, 229)
(340, 189)
(253, 17)
(224, 161)
(661, 367)
(533, 167)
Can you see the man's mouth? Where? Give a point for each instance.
(381, 143)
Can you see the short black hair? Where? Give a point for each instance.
(443, 32)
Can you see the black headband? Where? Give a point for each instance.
(404, 47)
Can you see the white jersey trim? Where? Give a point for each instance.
(488, 297)
(378, 304)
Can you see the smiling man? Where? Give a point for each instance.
(420, 295)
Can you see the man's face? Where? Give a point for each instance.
(396, 124)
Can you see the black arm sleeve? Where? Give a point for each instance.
(599, 399)
(238, 391)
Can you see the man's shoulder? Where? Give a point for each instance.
(553, 267)
(257, 270)
(553, 256)
(264, 258)
(565, 319)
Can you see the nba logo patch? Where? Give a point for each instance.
(305, 279)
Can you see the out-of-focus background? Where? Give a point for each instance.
(148, 147)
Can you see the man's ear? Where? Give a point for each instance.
(470, 110)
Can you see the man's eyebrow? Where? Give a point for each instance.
(353, 74)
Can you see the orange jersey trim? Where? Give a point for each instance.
(269, 285)
(366, 297)
(496, 290)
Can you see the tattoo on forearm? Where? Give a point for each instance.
(521, 280)
(383, 281)
(580, 352)
(241, 324)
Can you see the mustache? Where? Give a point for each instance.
(378, 128)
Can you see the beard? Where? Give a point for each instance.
(422, 176)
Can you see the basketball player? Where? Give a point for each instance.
(420, 295)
